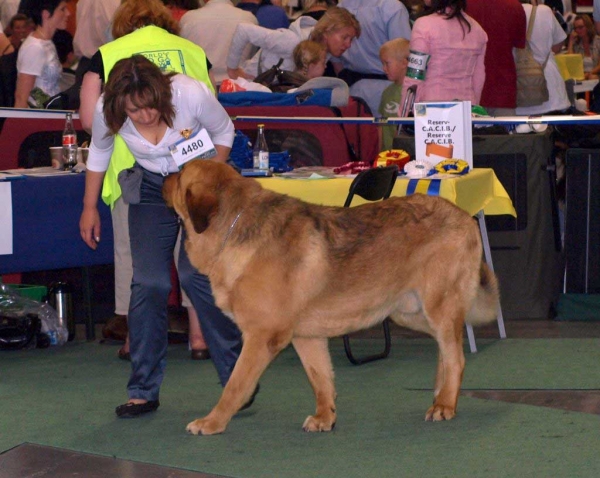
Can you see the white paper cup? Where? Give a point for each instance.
(56, 155)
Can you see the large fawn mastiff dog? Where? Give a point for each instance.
(288, 271)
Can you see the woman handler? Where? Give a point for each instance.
(151, 112)
(140, 27)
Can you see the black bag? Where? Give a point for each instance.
(19, 332)
(280, 81)
(65, 100)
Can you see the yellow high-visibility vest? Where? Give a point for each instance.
(169, 52)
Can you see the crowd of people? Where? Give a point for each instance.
(146, 73)
(247, 37)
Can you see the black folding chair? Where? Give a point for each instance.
(373, 185)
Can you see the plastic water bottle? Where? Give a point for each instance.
(69, 144)
(260, 153)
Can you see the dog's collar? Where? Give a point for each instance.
(229, 231)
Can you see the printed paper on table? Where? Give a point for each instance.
(443, 131)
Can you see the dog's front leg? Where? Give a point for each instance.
(314, 354)
(257, 353)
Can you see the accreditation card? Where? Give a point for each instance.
(195, 146)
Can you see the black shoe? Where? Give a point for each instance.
(249, 403)
(124, 355)
(133, 410)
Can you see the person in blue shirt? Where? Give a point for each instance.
(268, 15)
(360, 66)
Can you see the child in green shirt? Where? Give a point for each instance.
(394, 58)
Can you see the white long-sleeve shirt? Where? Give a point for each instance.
(273, 44)
(212, 27)
(195, 108)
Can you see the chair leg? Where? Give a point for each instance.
(370, 358)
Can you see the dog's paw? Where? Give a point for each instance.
(438, 413)
(204, 426)
(318, 424)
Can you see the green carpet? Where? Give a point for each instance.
(65, 397)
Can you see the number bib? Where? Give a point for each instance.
(198, 146)
(417, 65)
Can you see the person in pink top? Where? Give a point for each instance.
(447, 54)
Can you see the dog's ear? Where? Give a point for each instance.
(200, 207)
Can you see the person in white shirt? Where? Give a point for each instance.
(151, 112)
(336, 30)
(38, 66)
(547, 38)
(212, 27)
(94, 18)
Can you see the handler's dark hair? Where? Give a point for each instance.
(140, 80)
(34, 8)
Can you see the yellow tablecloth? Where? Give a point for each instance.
(480, 189)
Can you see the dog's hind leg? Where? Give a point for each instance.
(314, 354)
(451, 364)
(258, 351)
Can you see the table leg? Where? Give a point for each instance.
(471, 337)
(488, 259)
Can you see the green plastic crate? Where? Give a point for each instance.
(578, 307)
(35, 292)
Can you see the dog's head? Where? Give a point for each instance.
(194, 192)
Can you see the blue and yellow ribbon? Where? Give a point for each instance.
(431, 187)
(451, 166)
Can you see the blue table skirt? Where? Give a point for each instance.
(46, 213)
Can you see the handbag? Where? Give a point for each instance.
(278, 80)
(532, 89)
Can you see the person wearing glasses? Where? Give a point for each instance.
(584, 40)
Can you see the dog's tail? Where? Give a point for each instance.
(485, 306)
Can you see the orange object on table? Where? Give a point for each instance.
(399, 157)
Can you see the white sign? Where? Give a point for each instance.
(6, 218)
(443, 130)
